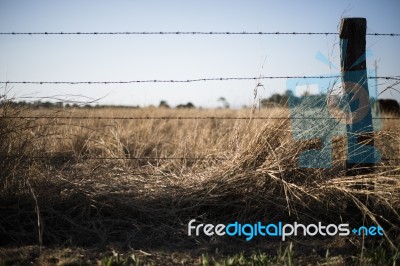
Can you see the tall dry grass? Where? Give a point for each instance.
(55, 191)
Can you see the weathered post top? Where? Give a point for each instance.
(354, 31)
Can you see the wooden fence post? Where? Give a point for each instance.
(360, 147)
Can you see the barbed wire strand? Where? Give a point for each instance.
(148, 159)
(117, 158)
(185, 80)
(178, 117)
(189, 33)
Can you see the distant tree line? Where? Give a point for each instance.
(320, 100)
(49, 105)
(282, 100)
(57, 105)
(189, 105)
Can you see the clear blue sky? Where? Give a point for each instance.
(133, 57)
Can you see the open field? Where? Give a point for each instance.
(73, 190)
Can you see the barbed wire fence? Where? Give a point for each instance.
(148, 159)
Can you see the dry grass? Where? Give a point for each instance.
(252, 174)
